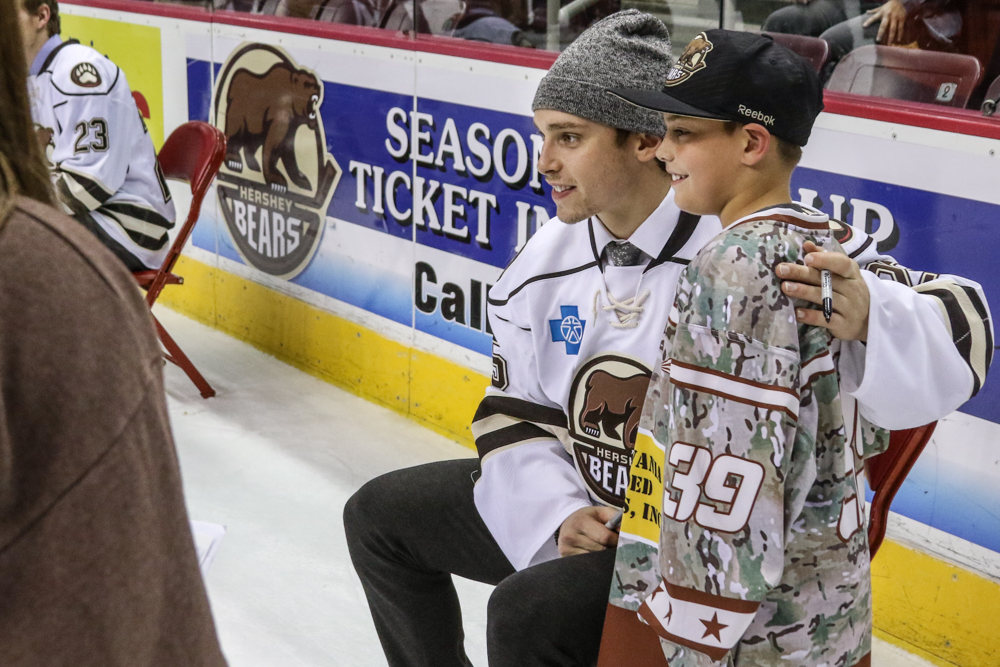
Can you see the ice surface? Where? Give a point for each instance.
(274, 457)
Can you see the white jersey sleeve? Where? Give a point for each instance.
(931, 333)
(529, 484)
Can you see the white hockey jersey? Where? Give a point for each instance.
(575, 342)
(102, 159)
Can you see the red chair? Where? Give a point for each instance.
(813, 49)
(932, 77)
(992, 99)
(886, 473)
(192, 153)
(628, 641)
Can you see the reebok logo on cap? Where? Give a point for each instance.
(756, 115)
(692, 60)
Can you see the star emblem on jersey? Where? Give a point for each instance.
(85, 75)
(568, 329)
(713, 627)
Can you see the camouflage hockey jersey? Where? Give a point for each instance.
(761, 558)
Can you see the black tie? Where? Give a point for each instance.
(622, 253)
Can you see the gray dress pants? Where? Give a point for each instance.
(410, 530)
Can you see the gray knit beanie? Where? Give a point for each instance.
(629, 49)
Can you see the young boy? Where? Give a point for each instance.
(762, 556)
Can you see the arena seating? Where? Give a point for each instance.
(813, 49)
(932, 77)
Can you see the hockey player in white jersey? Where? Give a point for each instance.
(103, 163)
(578, 318)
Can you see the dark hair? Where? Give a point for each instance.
(22, 167)
(622, 136)
(54, 27)
(789, 153)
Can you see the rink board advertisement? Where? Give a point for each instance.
(406, 207)
(398, 184)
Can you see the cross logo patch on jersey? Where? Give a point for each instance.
(569, 329)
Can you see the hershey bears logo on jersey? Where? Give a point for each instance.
(692, 60)
(605, 403)
(278, 176)
(85, 75)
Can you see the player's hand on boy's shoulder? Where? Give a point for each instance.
(584, 531)
(851, 299)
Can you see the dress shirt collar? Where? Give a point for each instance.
(651, 235)
(50, 45)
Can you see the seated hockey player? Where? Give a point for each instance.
(762, 535)
(101, 157)
(578, 318)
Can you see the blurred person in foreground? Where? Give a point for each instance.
(97, 563)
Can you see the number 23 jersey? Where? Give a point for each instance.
(99, 150)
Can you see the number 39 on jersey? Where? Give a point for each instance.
(719, 493)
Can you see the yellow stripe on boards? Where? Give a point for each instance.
(942, 613)
(438, 393)
(943, 610)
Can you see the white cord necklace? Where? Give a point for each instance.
(627, 312)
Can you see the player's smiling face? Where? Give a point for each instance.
(589, 171)
(703, 159)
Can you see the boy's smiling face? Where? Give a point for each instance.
(703, 158)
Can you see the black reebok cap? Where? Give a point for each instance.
(741, 77)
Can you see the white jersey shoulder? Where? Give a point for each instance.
(557, 249)
(81, 70)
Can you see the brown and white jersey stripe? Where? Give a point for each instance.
(961, 302)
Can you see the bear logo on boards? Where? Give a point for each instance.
(605, 403)
(85, 75)
(692, 60)
(278, 177)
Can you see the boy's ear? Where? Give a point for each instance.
(757, 142)
(645, 150)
